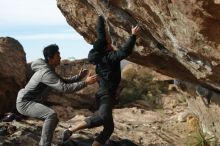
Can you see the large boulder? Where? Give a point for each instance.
(178, 38)
(12, 72)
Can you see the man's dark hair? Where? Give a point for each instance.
(49, 51)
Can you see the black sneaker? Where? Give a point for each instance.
(66, 135)
(3, 131)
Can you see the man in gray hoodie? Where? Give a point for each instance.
(44, 78)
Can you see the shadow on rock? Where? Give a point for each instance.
(88, 142)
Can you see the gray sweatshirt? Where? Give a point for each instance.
(45, 77)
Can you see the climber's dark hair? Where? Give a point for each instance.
(49, 51)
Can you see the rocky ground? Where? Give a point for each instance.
(135, 123)
(164, 122)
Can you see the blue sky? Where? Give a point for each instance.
(38, 23)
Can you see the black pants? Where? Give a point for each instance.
(103, 117)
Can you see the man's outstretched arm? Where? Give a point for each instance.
(100, 27)
(127, 48)
(52, 80)
(100, 43)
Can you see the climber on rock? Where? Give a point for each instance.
(45, 78)
(107, 62)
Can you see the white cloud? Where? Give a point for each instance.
(51, 36)
(16, 12)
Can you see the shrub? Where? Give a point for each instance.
(139, 84)
(199, 138)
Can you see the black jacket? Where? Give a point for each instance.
(108, 62)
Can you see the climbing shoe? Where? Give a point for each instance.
(66, 135)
